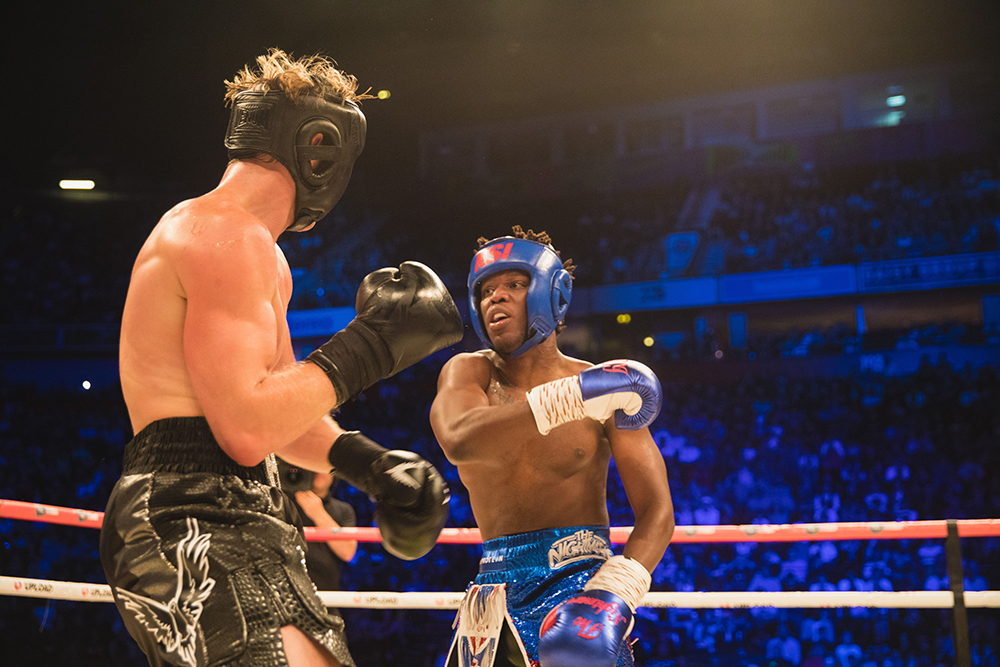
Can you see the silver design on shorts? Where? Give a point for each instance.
(174, 624)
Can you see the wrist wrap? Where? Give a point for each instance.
(626, 578)
(555, 403)
(352, 456)
(354, 359)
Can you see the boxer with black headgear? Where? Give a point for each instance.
(199, 544)
(532, 433)
(316, 138)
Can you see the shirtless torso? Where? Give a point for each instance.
(204, 330)
(155, 379)
(534, 481)
(520, 480)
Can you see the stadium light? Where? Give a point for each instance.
(76, 184)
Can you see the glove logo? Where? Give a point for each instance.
(588, 629)
(617, 367)
(401, 473)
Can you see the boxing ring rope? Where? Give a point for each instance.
(82, 592)
(796, 532)
(957, 599)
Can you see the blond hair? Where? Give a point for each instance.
(309, 75)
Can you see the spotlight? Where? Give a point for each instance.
(76, 184)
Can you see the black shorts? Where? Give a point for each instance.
(205, 557)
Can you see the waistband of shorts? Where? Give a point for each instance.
(551, 548)
(184, 445)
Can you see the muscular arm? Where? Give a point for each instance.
(238, 353)
(644, 477)
(465, 424)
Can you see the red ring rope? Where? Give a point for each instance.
(796, 532)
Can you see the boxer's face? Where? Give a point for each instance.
(503, 304)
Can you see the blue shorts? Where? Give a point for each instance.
(540, 569)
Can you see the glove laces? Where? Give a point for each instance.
(555, 403)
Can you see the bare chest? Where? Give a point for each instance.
(502, 394)
(569, 448)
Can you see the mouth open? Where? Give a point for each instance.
(498, 321)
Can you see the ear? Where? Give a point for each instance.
(316, 141)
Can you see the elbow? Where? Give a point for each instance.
(453, 448)
(668, 525)
(246, 449)
(663, 521)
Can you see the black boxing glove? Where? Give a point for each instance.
(411, 497)
(404, 315)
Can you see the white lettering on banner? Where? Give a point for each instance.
(578, 546)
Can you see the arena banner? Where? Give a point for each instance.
(922, 273)
(788, 284)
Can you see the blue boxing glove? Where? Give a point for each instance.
(626, 389)
(588, 629)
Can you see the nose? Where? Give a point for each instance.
(499, 294)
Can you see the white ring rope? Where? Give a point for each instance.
(80, 592)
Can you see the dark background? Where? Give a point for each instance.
(132, 91)
(131, 95)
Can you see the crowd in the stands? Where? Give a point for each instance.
(768, 449)
(68, 262)
(764, 449)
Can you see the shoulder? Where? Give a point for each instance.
(574, 365)
(467, 368)
(219, 237)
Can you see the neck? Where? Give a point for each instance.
(538, 360)
(264, 189)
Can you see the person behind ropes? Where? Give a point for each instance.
(532, 432)
(312, 493)
(198, 545)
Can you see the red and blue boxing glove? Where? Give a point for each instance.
(626, 389)
(590, 628)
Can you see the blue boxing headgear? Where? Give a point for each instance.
(271, 123)
(548, 294)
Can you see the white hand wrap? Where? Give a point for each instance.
(555, 403)
(626, 578)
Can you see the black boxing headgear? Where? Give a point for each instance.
(269, 122)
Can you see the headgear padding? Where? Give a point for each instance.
(548, 294)
(269, 122)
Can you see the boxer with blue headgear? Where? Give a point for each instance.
(549, 291)
(532, 432)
